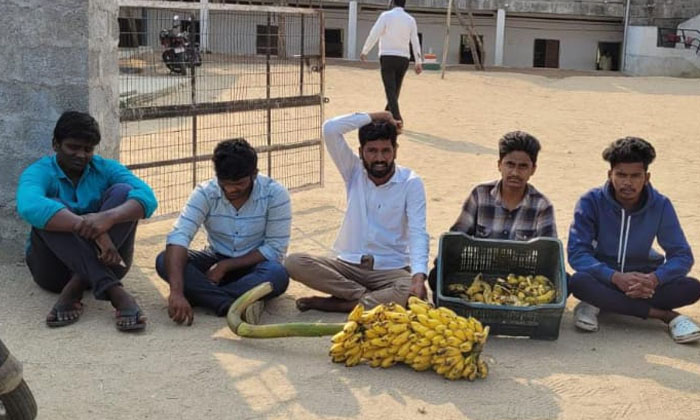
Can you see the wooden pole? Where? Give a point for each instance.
(472, 38)
(446, 44)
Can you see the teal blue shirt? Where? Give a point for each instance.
(43, 183)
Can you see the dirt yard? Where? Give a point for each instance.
(629, 370)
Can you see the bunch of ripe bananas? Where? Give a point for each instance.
(422, 337)
(513, 290)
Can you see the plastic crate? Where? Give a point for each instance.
(461, 258)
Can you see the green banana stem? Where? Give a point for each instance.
(296, 329)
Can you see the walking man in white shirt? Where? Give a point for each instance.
(394, 29)
(382, 245)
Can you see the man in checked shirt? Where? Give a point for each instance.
(509, 208)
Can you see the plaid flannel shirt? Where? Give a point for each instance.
(484, 216)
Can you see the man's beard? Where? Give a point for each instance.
(379, 169)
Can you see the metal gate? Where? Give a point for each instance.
(261, 77)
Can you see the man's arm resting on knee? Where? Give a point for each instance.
(218, 270)
(96, 224)
(179, 308)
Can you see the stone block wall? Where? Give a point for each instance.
(63, 55)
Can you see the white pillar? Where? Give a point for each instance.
(500, 36)
(204, 25)
(351, 36)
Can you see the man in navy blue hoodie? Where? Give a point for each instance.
(610, 247)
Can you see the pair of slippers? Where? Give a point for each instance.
(67, 313)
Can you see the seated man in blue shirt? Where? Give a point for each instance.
(83, 210)
(248, 220)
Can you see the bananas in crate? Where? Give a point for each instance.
(423, 337)
(513, 290)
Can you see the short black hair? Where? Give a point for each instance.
(630, 150)
(234, 159)
(519, 141)
(399, 3)
(377, 131)
(77, 125)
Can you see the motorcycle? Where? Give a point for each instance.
(180, 53)
(16, 399)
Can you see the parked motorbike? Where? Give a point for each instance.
(180, 53)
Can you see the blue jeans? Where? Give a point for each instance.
(199, 291)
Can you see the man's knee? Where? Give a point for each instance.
(117, 193)
(160, 266)
(295, 265)
(276, 274)
(691, 289)
(578, 281)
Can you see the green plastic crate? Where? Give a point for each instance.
(461, 258)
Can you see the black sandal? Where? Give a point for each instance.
(131, 319)
(62, 308)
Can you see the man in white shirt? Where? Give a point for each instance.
(382, 245)
(394, 29)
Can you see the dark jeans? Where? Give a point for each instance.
(393, 70)
(669, 295)
(199, 291)
(53, 257)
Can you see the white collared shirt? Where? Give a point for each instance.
(385, 221)
(394, 29)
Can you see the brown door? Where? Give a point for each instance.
(546, 53)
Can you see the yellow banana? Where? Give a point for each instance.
(356, 313)
(418, 309)
(350, 327)
(387, 362)
(453, 341)
(419, 328)
(420, 366)
(352, 351)
(404, 349)
(397, 317)
(339, 337)
(337, 348)
(398, 328)
(352, 341)
(401, 338)
(380, 342)
(353, 360)
(423, 319)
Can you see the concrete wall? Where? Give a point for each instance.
(578, 39)
(644, 58)
(63, 55)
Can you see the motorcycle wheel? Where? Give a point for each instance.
(18, 404)
(170, 60)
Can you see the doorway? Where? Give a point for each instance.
(466, 56)
(546, 53)
(334, 43)
(608, 56)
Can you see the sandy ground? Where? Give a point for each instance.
(628, 370)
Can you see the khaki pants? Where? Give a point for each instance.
(350, 281)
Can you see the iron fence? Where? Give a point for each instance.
(190, 78)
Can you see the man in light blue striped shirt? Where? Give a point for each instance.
(247, 218)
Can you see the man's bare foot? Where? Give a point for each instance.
(325, 304)
(68, 308)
